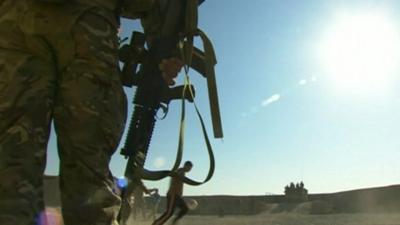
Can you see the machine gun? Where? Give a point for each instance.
(153, 93)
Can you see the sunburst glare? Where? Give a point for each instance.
(361, 52)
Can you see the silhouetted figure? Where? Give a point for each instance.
(174, 196)
(287, 189)
(301, 185)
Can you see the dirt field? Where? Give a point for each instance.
(290, 219)
(54, 218)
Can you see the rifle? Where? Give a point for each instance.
(153, 93)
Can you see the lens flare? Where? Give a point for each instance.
(50, 216)
(361, 52)
(122, 182)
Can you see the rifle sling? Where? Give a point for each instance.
(208, 144)
(158, 175)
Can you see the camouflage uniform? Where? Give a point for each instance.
(59, 62)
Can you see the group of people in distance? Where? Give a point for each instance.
(296, 192)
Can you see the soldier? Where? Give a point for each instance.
(58, 62)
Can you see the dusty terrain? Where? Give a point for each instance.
(290, 219)
(371, 206)
(277, 219)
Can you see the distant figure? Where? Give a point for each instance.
(287, 190)
(174, 196)
(301, 185)
(153, 202)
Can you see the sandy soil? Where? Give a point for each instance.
(268, 219)
(289, 219)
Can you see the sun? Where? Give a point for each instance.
(361, 52)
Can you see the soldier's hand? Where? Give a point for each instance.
(170, 69)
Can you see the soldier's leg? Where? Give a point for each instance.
(26, 99)
(89, 116)
(181, 204)
(170, 208)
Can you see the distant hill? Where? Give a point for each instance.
(380, 199)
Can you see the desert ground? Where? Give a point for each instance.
(277, 219)
(371, 206)
(289, 219)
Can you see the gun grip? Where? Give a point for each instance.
(177, 93)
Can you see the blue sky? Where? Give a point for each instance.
(287, 116)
